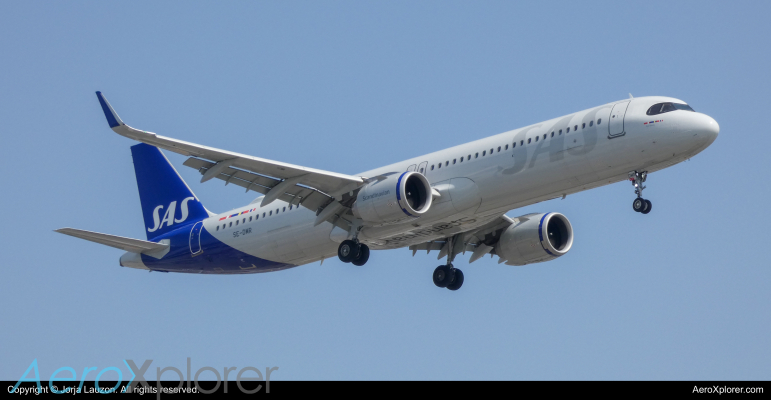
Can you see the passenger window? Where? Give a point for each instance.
(432, 168)
(575, 128)
(461, 159)
(218, 227)
(591, 123)
(583, 125)
(514, 145)
(599, 121)
(250, 219)
(522, 142)
(290, 206)
(552, 133)
(491, 151)
(256, 217)
(277, 211)
(263, 215)
(224, 226)
(536, 138)
(568, 130)
(544, 136)
(507, 147)
(453, 161)
(421, 171)
(446, 163)
(560, 131)
(270, 213)
(469, 157)
(528, 140)
(499, 149)
(236, 222)
(243, 221)
(284, 209)
(476, 155)
(439, 165)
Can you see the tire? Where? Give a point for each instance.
(639, 204)
(363, 255)
(348, 251)
(648, 207)
(458, 282)
(443, 276)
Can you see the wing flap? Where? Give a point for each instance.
(307, 197)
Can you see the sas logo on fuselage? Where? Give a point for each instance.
(168, 217)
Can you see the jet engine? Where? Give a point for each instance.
(535, 238)
(394, 199)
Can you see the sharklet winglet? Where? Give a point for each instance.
(112, 117)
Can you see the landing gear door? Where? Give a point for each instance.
(195, 239)
(616, 123)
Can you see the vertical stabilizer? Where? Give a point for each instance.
(167, 201)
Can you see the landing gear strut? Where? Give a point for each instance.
(639, 204)
(353, 252)
(447, 276)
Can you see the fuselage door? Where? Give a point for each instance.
(195, 239)
(422, 167)
(616, 123)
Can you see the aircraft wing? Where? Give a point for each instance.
(480, 241)
(291, 182)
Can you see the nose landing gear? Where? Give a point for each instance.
(639, 204)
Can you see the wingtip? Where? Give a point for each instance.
(112, 117)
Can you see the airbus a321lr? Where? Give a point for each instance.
(450, 201)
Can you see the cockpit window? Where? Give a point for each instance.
(661, 108)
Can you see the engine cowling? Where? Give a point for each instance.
(395, 199)
(535, 238)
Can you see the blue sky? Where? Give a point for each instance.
(681, 293)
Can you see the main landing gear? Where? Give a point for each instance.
(447, 276)
(351, 251)
(639, 204)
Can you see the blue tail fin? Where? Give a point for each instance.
(167, 201)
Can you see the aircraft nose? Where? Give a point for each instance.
(711, 128)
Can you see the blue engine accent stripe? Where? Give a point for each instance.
(540, 234)
(111, 120)
(398, 192)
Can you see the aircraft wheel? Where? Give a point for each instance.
(348, 251)
(457, 282)
(648, 207)
(363, 255)
(443, 276)
(639, 204)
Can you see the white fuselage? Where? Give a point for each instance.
(481, 180)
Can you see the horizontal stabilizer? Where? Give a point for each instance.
(119, 242)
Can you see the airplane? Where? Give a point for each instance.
(452, 201)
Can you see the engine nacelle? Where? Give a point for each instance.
(535, 238)
(394, 199)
